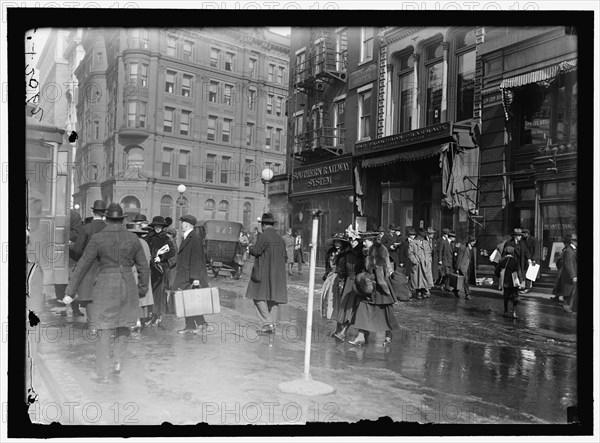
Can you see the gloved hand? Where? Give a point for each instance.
(67, 300)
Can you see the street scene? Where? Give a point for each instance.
(292, 225)
(452, 361)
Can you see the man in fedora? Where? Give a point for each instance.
(115, 293)
(86, 287)
(268, 285)
(445, 257)
(529, 241)
(391, 240)
(433, 245)
(465, 256)
(190, 270)
(521, 252)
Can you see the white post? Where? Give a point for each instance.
(311, 290)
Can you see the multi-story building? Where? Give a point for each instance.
(529, 136)
(200, 107)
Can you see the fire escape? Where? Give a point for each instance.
(315, 81)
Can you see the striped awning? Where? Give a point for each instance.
(542, 76)
(414, 154)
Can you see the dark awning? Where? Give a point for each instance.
(543, 76)
(413, 154)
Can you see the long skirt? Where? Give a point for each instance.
(330, 297)
(160, 286)
(375, 318)
(347, 305)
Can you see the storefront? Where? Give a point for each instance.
(327, 186)
(420, 178)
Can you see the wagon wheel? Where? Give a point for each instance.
(215, 272)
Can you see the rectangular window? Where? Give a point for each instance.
(168, 123)
(252, 67)
(172, 46)
(96, 129)
(251, 98)
(186, 85)
(187, 50)
(184, 124)
(170, 82)
(298, 122)
(214, 57)
(271, 73)
(247, 172)
(270, 104)
(131, 114)
(135, 38)
(366, 48)
(339, 120)
(133, 72)
(145, 36)
(465, 88)
(144, 76)
(228, 61)
(364, 111)
(166, 162)
(278, 106)
(209, 176)
(183, 163)
(225, 169)
(249, 133)
(228, 92)
(226, 132)
(434, 93)
(406, 102)
(268, 137)
(142, 115)
(300, 67)
(280, 75)
(213, 89)
(277, 143)
(212, 128)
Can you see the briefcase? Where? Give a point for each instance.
(201, 301)
(456, 281)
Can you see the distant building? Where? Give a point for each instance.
(163, 107)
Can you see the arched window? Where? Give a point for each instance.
(166, 206)
(131, 206)
(209, 209)
(247, 216)
(223, 213)
(182, 207)
(134, 158)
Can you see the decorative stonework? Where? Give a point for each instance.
(389, 39)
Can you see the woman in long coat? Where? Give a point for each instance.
(268, 282)
(374, 312)
(350, 263)
(159, 268)
(115, 293)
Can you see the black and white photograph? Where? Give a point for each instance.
(319, 221)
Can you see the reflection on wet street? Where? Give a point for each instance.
(452, 361)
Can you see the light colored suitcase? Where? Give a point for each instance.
(200, 301)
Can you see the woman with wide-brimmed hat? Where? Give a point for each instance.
(162, 256)
(348, 262)
(146, 302)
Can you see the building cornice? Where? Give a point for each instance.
(391, 35)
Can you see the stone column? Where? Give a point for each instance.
(415, 107)
(444, 116)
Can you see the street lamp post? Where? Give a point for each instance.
(267, 176)
(181, 189)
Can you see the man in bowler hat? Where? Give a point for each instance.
(268, 285)
(190, 269)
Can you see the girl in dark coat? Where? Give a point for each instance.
(509, 264)
(374, 312)
(160, 268)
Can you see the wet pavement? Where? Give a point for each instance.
(452, 361)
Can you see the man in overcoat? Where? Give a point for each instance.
(433, 245)
(268, 285)
(529, 241)
(521, 252)
(465, 255)
(289, 241)
(567, 273)
(391, 240)
(115, 293)
(86, 287)
(191, 269)
(445, 258)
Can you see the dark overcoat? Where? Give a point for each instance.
(268, 278)
(567, 272)
(86, 232)
(115, 293)
(160, 272)
(521, 253)
(465, 261)
(191, 263)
